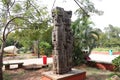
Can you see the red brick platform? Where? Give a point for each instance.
(101, 65)
(72, 75)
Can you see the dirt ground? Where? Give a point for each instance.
(21, 74)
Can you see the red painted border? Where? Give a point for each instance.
(100, 65)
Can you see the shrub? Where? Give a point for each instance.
(45, 48)
(116, 63)
(78, 56)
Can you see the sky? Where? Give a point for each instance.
(110, 7)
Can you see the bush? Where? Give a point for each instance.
(23, 50)
(116, 63)
(78, 56)
(45, 48)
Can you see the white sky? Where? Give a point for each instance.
(111, 14)
(110, 7)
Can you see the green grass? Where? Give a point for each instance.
(96, 74)
(11, 74)
(115, 73)
(6, 76)
(114, 49)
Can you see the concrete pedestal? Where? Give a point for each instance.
(72, 75)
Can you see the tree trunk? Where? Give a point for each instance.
(36, 48)
(1, 64)
(1, 60)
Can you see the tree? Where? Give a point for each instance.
(85, 40)
(17, 15)
(112, 36)
(85, 36)
(39, 25)
(112, 31)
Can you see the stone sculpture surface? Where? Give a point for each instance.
(62, 40)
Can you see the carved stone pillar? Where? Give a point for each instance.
(62, 40)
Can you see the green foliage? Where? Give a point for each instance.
(106, 49)
(34, 27)
(17, 8)
(87, 7)
(115, 73)
(17, 16)
(46, 48)
(6, 76)
(46, 36)
(23, 50)
(78, 56)
(110, 38)
(19, 22)
(10, 41)
(85, 37)
(116, 63)
(6, 2)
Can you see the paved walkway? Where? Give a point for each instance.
(30, 61)
(102, 57)
(38, 61)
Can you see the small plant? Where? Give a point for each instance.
(116, 63)
(6, 76)
(114, 77)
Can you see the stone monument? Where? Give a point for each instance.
(62, 40)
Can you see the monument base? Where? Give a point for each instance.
(75, 74)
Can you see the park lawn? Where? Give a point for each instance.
(21, 74)
(114, 49)
(94, 73)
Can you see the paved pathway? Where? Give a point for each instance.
(28, 61)
(102, 57)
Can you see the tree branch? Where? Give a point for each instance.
(12, 4)
(34, 8)
(1, 40)
(4, 30)
(53, 4)
(14, 30)
(81, 8)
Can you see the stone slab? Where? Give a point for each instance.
(75, 74)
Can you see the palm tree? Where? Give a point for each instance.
(85, 38)
(90, 39)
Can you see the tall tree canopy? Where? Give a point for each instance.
(25, 18)
(112, 36)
